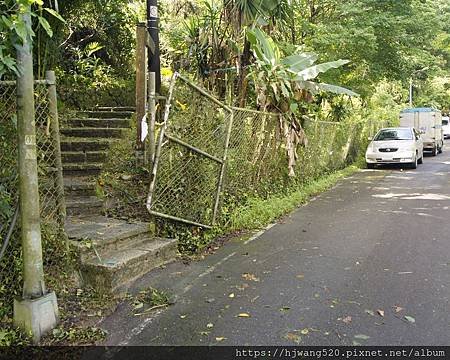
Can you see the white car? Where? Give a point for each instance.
(446, 127)
(395, 146)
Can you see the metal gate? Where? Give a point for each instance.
(190, 158)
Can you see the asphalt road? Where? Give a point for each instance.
(367, 262)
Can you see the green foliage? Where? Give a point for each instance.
(279, 78)
(10, 336)
(76, 335)
(152, 297)
(257, 212)
(15, 30)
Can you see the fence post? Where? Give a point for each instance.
(37, 310)
(223, 167)
(141, 66)
(53, 112)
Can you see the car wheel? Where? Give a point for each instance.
(440, 150)
(370, 166)
(420, 161)
(434, 151)
(413, 165)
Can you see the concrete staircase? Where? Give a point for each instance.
(113, 252)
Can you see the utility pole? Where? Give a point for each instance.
(410, 92)
(37, 310)
(411, 86)
(153, 29)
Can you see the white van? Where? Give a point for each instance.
(446, 127)
(429, 122)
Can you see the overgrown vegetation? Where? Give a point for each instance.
(253, 53)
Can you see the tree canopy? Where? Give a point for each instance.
(383, 40)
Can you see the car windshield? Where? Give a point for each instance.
(444, 122)
(394, 134)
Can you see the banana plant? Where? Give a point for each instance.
(280, 77)
(282, 81)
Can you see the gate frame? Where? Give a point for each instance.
(174, 139)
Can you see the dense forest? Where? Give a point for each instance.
(385, 45)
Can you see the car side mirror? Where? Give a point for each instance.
(370, 138)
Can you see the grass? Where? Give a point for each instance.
(257, 213)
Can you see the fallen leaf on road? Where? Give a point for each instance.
(354, 302)
(183, 316)
(231, 296)
(138, 306)
(347, 319)
(285, 308)
(249, 277)
(209, 325)
(410, 319)
(397, 309)
(205, 333)
(243, 315)
(300, 276)
(380, 312)
(405, 272)
(220, 338)
(242, 287)
(361, 337)
(370, 312)
(293, 337)
(305, 331)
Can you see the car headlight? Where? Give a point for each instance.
(407, 148)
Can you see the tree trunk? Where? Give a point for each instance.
(243, 82)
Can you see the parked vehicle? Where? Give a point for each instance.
(395, 146)
(429, 122)
(445, 127)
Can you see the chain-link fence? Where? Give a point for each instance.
(262, 154)
(51, 189)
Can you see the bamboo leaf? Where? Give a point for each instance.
(44, 23)
(55, 14)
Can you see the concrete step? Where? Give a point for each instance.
(85, 169)
(82, 144)
(99, 123)
(107, 114)
(116, 108)
(91, 132)
(83, 156)
(83, 205)
(106, 234)
(79, 186)
(118, 268)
